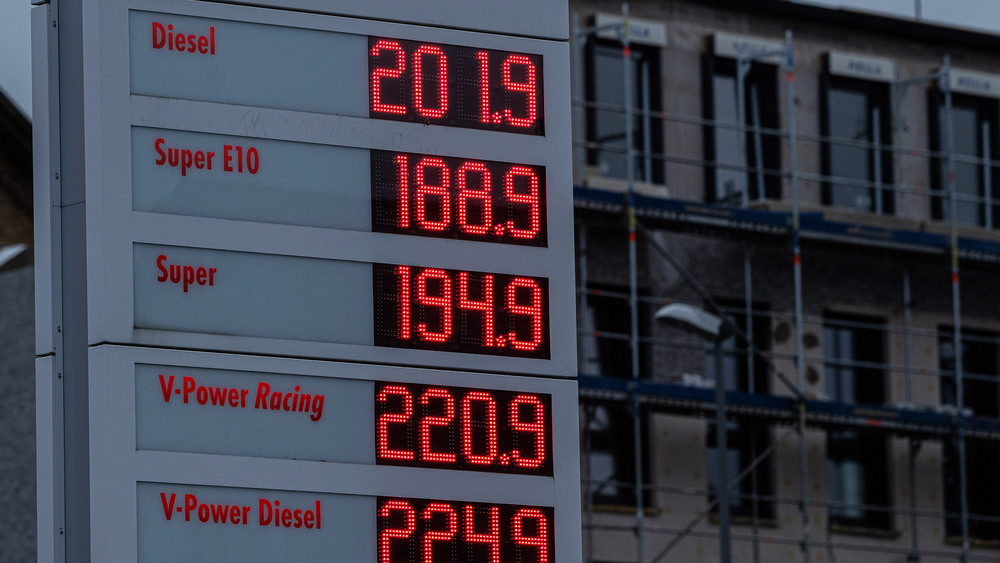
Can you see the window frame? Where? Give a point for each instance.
(761, 73)
(988, 212)
(867, 448)
(871, 89)
(977, 386)
(651, 157)
(749, 436)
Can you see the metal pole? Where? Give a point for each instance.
(877, 158)
(956, 309)
(987, 178)
(758, 146)
(633, 290)
(742, 69)
(722, 486)
(914, 554)
(800, 367)
(752, 388)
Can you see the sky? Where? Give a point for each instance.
(15, 34)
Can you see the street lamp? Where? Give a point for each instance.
(713, 328)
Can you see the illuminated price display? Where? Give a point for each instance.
(460, 311)
(424, 531)
(456, 198)
(456, 86)
(461, 428)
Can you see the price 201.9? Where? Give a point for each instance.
(454, 85)
(461, 428)
(425, 531)
(451, 197)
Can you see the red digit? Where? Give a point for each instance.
(404, 190)
(379, 73)
(443, 301)
(419, 77)
(484, 86)
(386, 536)
(482, 194)
(529, 87)
(535, 426)
(531, 199)
(491, 428)
(431, 536)
(486, 305)
(533, 310)
(384, 420)
(428, 421)
(540, 539)
(492, 535)
(405, 320)
(442, 191)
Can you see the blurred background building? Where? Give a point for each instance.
(17, 339)
(825, 181)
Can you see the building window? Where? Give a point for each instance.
(609, 453)
(605, 113)
(856, 119)
(857, 467)
(981, 393)
(745, 162)
(604, 348)
(975, 125)
(746, 438)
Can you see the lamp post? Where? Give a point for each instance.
(715, 330)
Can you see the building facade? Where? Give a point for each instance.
(824, 181)
(17, 336)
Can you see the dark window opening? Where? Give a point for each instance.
(748, 162)
(604, 348)
(609, 453)
(747, 438)
(857, 466)
(976, 130)
(606, 117)
(856, 118)
(981, 393)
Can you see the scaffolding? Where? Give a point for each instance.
(644, 217)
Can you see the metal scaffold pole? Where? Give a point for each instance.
(633, 286)
(956, 302)
(797, 270)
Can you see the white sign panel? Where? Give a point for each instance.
(218, 456)
(760, 49)
(643, 32)
(864, 67)
(975, 83)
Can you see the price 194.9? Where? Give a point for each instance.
(460, 311)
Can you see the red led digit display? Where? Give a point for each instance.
(460, 311)
(455, 86)
(427, 531)
(466, 199)
(460, 428)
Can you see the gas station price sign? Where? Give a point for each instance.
(423, 531)
(463, 428)
(456, 86)
(460, 311)
(467, 199)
